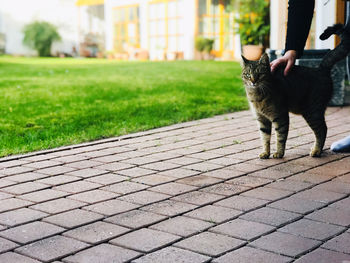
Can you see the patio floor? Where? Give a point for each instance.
(191, 192)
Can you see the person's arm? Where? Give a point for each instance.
(300, 13)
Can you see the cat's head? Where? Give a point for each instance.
(255, 72)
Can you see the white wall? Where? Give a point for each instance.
(17, 13)
(325, 16)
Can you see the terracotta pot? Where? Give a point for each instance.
(252, 52)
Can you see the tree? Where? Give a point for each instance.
(40, 36)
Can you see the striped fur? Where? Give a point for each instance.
(305, 91)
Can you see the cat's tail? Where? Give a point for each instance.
(341, 51)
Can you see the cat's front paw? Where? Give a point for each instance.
(278, 155)
(264, 155)
(315, 152)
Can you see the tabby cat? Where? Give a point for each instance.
(305, 91)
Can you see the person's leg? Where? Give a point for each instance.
(342, 145)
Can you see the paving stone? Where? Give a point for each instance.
(4, 182)
(15, 170)
(59, 179)
(154, 179)
(321, 255)
(169, 207)
(290, 185)
(43, 195)
(26, 177)
(271, 173)
(182, 226)
(70, 158)
(179, 173)
(144, 197)
(6, 245)
(340, 243)
(77, 187)
(309, 177)
(210, 244)
(270, 216)
(344, 178)
(248, 254)
(243, 203)
(51, 248)
(56, 170)
(93, 196)
(124, 187)
(199, 180)
(225, 189)
(161, 166)
(285, 244)
(104, 253)
(184, 160)
(246, 167)
(205, 155)
(319, 195)
(135, 219)
(332, 216)
(172, 255)
(145, 240)
(88, 172)
(224, 173)
(13, 163)
(136, 172)
(114, 167)
(249, 181)
(211, 213)
(24, 188)
(20, 216)
(57, 206)
(203, 167)
(107, 179)
(173, 188)
(5, 196)
(83, 164)
(243, 229)
(333, 186)
(31, 232)
(96, 232)
(342, 204)
(43, 164)
(111, 207)
(197, 198)
(73, 218)
(11, 257)
(312, 229)
(267, 193)
(297, 205)
(12, 203)
(109, 158)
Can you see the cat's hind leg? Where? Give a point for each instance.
(265, 133)
(281, 124)
(318, 125)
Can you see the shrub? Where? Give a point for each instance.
(40, 36)
(204, 45)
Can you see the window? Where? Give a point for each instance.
(126, 27)
(165, 27)
(216, 22)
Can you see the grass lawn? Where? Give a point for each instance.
(52, 102)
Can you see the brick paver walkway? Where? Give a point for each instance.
(192, 192)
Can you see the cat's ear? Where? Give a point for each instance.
(264, 60)
(245, 61)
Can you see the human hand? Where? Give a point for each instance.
(287, 60)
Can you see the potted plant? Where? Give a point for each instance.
(204, 46)
(253, 25)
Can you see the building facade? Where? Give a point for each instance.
(168, 28)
